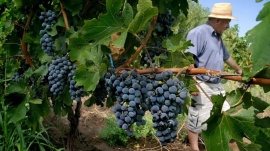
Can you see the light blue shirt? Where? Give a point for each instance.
(207, 50)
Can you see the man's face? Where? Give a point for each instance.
(222, 25)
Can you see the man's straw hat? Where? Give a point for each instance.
(222, 10)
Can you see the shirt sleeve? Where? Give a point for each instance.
(196, 39)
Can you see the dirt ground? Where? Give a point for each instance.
(91, 121)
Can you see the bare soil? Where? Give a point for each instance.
(91, 121)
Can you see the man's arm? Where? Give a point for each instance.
(234, 65)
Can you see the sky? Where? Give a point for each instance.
(245, 11)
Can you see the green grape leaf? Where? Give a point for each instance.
(176, 6)
(237, 96)
(60, 109)
(105, 25)
(60, 44)
(89, 76)
(110, 101)
(90, 101)
(180, 46)
(96, 55)
(247, 147)
(176, 55)
(127, 14)
(178, 59)
(73, 6)
(145, 13)
(17, 113)
(264, 118)
(259, 38)
(235, 124)
(41, 71)
(184, 7)
(16, 87)
(35, 101)
(65, 96)
(80, 50)
(25, 3)
(60, 22)
(264, 12)
(37, 111)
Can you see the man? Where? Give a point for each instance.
(209, 52)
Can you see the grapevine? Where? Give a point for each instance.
(63, 46)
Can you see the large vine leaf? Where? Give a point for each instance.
(259, 38)
(106, 24)
(177, 57)
(89, 76)
(176, 6)
(237, 96)
(17, 113)
(235, 124)
(145, 13)
(37, 111)
(73, 6)
(80, 50)
(90, 66)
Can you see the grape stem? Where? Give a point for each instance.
(143, 44)
(241, 99)
(64, 16)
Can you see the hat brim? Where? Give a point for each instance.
(222, 17)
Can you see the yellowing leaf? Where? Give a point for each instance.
(35, 101)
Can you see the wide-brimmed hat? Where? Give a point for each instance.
(222, 10)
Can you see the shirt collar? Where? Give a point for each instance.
(211, 30)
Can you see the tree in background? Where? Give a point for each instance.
(197, 15)
(238, 48)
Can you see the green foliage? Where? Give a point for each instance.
(15, 134)
(144, 131)
(238, 48)
(73, 6)
(260, 40)
(197, 15)
(224, 126)
(88, 41)
(113, 134)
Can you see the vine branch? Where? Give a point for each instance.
(205, 71)
(73, 118)
(23, 44)
(126, 64)
(64, 16)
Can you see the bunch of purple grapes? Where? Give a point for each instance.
(61, 73)
(130, 107)
(76, 92)
(162, 94)
(166, 96)
(154, 50)
(58, 71)
(164, 23)
(49, 18)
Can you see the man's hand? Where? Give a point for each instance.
(194, 93)
(239, 71)
(234, 65)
